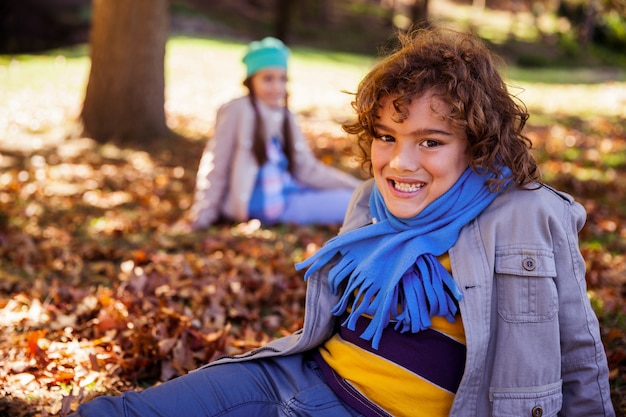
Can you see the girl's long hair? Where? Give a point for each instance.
(259, 141)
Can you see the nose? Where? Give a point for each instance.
(279, 84)
(404, 158)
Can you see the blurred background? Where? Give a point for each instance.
(106, 106)
(349, 25)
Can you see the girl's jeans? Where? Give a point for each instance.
(309, 206)
(282, 386)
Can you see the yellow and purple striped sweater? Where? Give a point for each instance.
(410, 374)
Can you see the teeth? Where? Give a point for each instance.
(407, 187)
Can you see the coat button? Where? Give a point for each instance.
(529, 264)
(537, 411)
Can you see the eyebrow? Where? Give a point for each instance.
(418, 132)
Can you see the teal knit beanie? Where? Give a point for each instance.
(269, 52)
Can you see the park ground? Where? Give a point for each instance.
(100, 293)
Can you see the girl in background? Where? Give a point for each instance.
(258, 164)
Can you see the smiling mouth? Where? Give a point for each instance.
(407, 187)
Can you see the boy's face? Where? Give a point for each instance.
(418, 160)
(270, 86)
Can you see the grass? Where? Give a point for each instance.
(37, 72)
(544, 90)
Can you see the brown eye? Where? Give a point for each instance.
(385, 138)
(430, 143)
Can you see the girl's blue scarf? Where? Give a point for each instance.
(391, 264)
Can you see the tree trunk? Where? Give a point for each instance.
(316, 12)
(588, 24)
(419, 13)
(390, 7)
(283, 19)
(326, 11)
(125, 97)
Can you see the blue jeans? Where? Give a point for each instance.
(282, 386)
(308, 206)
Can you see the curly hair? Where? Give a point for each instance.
(461, 71)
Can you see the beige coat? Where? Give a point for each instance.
(228, 169)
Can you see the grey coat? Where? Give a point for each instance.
(533, 341)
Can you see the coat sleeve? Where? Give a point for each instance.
(311, 171)
(213, 176)
(358, 211)
(584, 366)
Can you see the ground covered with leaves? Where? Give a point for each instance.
(102, 293)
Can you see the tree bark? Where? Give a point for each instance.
(419, 13)
(125, 96)
(588, 24)
(325, 11)
(316, 12)
(283, 19)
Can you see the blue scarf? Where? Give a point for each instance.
(391, 265)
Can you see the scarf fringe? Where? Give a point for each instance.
(420, 300)
(391, 266)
